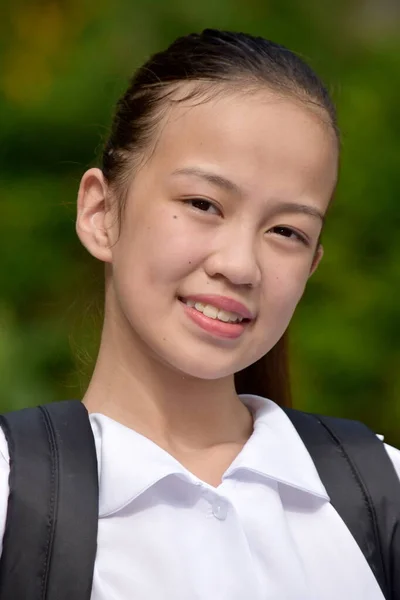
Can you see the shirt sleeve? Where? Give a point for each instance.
(394, 455)
(4, 487)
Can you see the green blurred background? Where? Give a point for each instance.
(63, 64)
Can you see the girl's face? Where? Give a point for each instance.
(230, 204)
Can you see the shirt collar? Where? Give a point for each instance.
(276, 451)
(129, 463)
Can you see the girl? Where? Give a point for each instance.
(207, 212)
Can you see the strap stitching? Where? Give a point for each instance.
(364, 492)
(53, 498)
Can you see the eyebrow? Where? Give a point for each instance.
(213, 178)
(296, 208)
(230, 186)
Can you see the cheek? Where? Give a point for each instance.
(158, 251)
(283, 287)
(281, 292)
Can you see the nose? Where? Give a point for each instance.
(233, 257)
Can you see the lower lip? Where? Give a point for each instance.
(214, 326)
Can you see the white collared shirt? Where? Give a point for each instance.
(266, 532)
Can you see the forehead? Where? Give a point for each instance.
(257, 140)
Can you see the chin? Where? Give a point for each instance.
(205, 368)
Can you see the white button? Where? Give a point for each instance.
(220, 510)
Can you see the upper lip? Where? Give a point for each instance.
(224, 303)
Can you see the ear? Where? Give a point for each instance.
(93, 215)
(317, 259)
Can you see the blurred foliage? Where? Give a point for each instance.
(63, 64)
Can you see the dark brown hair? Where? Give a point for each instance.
(211, 61)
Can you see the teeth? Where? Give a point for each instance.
(209, 311)
(226, 316)
(215, 313)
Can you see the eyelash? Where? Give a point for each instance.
(301, 238)
(283, 229)
(204, 201)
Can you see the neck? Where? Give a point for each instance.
(132, 386)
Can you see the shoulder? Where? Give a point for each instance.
(4, 488)
(394, 455)
(278, 421)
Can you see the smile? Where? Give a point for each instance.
(218, 322)
(213, 312)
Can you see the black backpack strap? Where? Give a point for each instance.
(363, 487)
(50, 539)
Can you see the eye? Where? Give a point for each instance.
(204, 205)
(290, 233)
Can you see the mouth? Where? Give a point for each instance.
(213, 312)
(215, 320)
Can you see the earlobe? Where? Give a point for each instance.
(317, 258)
(92, 211)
